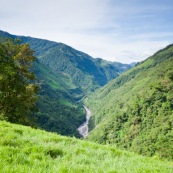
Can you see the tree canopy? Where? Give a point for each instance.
(17, 82)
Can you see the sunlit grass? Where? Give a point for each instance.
(24, 150)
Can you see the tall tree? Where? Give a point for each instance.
(17, 82)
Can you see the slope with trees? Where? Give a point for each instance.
(52, 108)
(135, 111)
(65, 76)
(85, 72)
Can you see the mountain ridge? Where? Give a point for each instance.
(63, 58)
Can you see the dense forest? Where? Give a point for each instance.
(135, 111)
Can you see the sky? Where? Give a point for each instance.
(116, 30)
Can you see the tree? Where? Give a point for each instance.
(18, 91)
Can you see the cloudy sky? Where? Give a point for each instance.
(116, 30)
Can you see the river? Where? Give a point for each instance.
(83, 129)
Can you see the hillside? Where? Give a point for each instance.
(135, 111)
(23, 149)
(65, 75)
(85, 72)
(58, 110)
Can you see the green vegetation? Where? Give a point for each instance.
(17, 88)
(85, 72)
(23, 149)
(65, 76)
(135, 111)
(56, 108)
(132, 112)
(58, 115)
(58, 111)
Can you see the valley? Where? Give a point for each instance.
(65, 76)
(100, 116)
(86, 86)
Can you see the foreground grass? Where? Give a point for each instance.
(26, 150)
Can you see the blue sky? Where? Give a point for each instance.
(116, 30)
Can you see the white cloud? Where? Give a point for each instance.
(111, 29)
(149, 36)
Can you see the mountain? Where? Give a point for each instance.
(85, 72)
(24, 149)
(135, 110)
(65, 76)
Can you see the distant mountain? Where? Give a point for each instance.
(65, 76)
(86, 73)
(135, 110)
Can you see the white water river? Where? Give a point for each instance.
(83, 129)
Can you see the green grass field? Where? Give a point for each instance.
(27, 150)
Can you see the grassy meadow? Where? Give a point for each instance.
(27, 150)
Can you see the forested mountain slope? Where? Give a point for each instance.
(23, 149)
(85, 72)
(65, 75)
(135, 111)
(57, 108)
